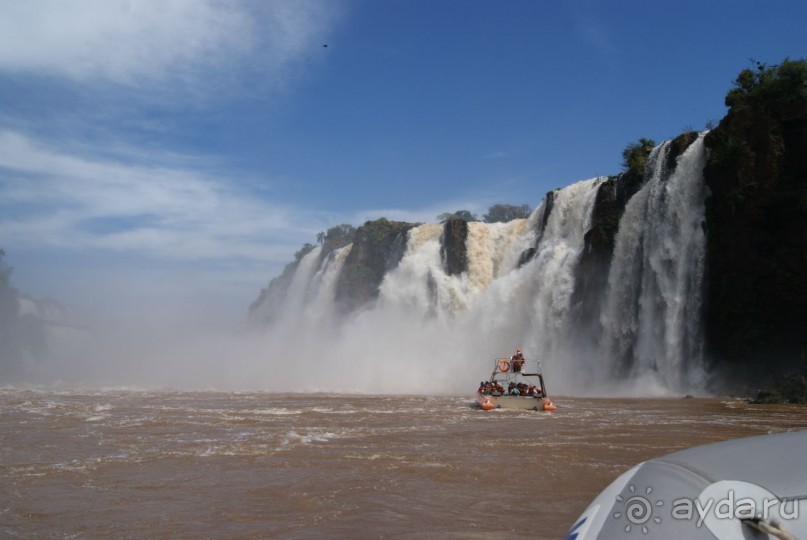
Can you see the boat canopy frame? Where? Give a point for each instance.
(510, 375)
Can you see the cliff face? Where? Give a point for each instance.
(453, 250)
(591, 278)
(756, 294)
(613, 194)
(378, 247)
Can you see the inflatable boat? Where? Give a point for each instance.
(752, 488)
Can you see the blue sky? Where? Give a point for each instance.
(169, 157)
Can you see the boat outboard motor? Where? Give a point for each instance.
(753, 488)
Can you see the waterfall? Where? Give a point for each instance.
(429, 331)
(300, 288)
(553, 269)
(420, 282)
(308, 299)
(652, 318)
(321, 307)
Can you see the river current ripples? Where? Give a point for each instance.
(134, 464)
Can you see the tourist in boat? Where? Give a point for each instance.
(517, 361)
(534, 391)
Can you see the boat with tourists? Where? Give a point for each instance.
(514, 383)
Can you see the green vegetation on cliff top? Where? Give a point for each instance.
(772, 87)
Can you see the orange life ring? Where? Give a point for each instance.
(487, 404)
(504, 365)
(549, 406)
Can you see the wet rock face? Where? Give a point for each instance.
(528, 254)
(756, 224)
(453, 250)
(678, 147)
(378, 247)
(591, 276)
(612, 196)
(789, 388)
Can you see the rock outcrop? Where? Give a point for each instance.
(378, 247)
(453, 249)
(756, 289)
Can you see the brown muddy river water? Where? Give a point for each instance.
(120, 464)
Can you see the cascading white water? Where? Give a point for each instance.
(425, 317)
(300, 289)
(651, 321)
(553, 273)
(429, 331)
(420, 282)
(321, 307)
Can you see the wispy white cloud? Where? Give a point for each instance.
(52, 197)
(160, 205)
(150, 231)
(186, 45)
(105, 193)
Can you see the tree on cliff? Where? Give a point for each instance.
(502, 213)
(773, 87)
(635, 155)
(302, 252)
(336, 237)
(464, 215)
